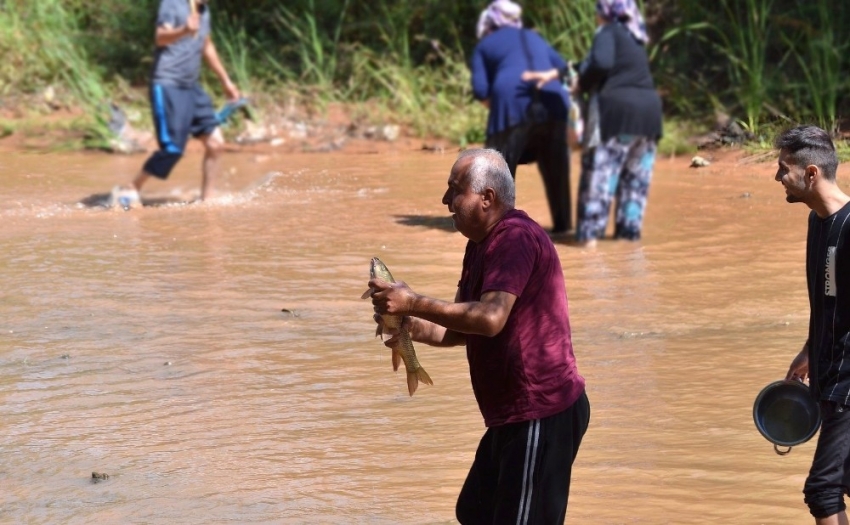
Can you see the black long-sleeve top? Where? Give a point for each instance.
(618, 67)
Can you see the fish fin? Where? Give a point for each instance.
(423, 376)
(379, 332)
(366, 294)
(396, 360)
(412, 382)
(413, 379)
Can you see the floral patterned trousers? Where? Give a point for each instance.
(623, 167)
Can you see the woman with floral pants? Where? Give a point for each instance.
(621, 139)
(622, 167)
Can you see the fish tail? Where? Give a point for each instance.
(423, 376)
(413, 379)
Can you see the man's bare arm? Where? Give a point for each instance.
(212, 59)
(485, 317)
(167, 35)
(435, 335)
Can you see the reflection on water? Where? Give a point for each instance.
(153, 345)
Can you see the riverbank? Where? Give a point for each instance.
(44, 124)
(286, 122)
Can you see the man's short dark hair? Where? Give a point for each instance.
(810, 145)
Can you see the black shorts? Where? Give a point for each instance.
(829, 477)
(177, 113)
(521, 473)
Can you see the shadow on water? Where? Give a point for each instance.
(438, 223)
(446, 224)
(105, 200)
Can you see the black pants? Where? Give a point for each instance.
(545, 144)
(829, 477)
(521, 473)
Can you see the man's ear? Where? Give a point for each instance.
(812, 173)
(488, 197)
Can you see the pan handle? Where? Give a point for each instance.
(781, 452)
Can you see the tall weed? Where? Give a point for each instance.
(818, 51)
(39, 40)
(568, 26)
(743, 37)
(317, 52)
(433, 100)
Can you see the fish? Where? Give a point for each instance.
(403, 350)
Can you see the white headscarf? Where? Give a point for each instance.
(499, 13)
(625, 12)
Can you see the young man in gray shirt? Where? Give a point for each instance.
(179, 104)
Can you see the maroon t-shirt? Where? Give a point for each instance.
(527, 371)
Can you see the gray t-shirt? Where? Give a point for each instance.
(179, 64)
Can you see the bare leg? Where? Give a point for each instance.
(140, 180)
(213, 144)
(835, 519)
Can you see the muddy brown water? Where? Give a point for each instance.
(151, 345)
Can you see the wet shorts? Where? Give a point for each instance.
(177, 113)
(521, 472)
(829, 477)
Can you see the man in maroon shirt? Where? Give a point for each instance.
(510, 311)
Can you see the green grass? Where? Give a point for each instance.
(765, 62)
(677, 138)
(842, 147)
(38, 42)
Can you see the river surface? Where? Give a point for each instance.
(217, 362)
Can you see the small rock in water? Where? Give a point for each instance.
(167, 363)
(699, 162)
(291, 313)
(436, 147)
(746, 195)
(97, 477)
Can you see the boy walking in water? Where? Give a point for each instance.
(807, 168)
(179, 105)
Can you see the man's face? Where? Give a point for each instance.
(464, 205)
(793, 177)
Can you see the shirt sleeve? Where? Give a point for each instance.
(600, 60)
(480, 79)
(171, 14)
(556, 60)
(510, 261)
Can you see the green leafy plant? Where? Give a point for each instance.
(818, 52)
(743, 39)
(318, 54)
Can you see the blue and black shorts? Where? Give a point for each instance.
(177, 113)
